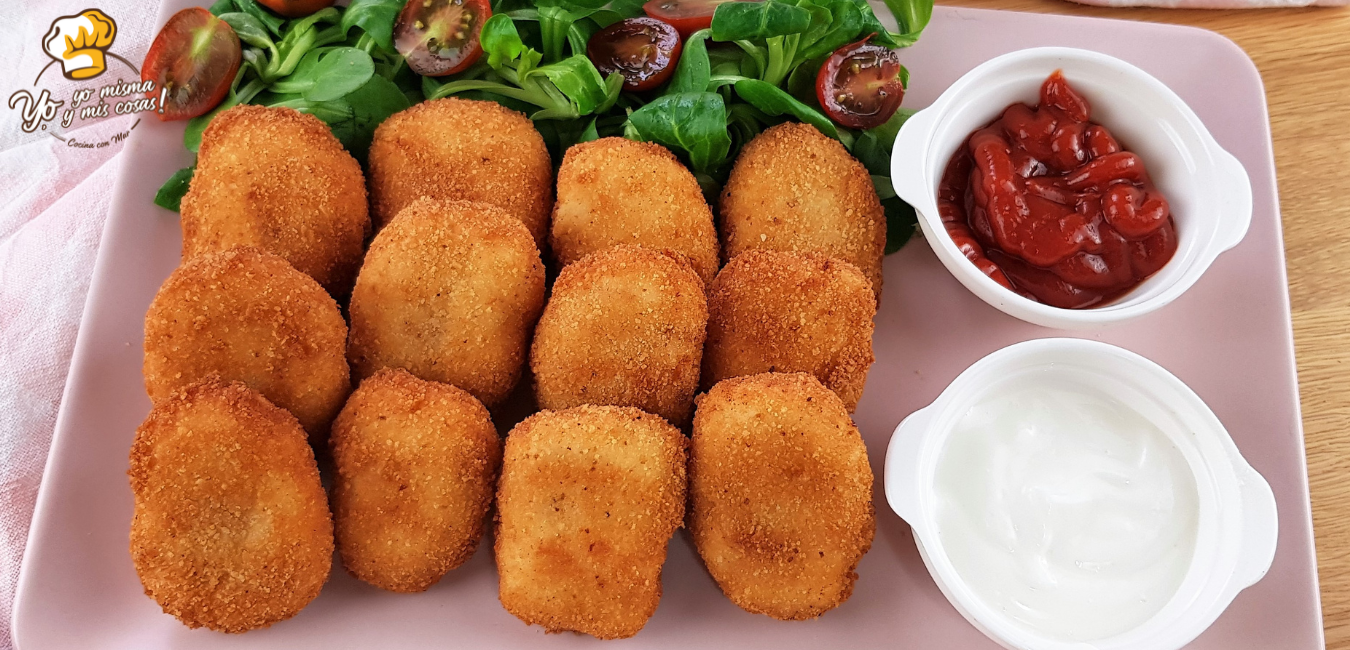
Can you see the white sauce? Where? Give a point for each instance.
(1066, 510)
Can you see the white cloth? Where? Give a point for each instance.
(53, 202)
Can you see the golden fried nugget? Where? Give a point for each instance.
(770, 311)
(623, 327)
(793, 189)
(588, 500)
(450, 291)
(277, 179)
(616, 191)
(462, 149)
(416, 468)
(231, 528)
(780, 494)
(245, 315)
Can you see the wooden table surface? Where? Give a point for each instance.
(1304, 58)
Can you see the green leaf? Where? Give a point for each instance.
(735, 21)
(873, 146)
(883, 187)
(580, 33)
(554, 25)
(872, 25)
(222, 7)
(775, 101)
(695, 123)
(354, 117)
(170, 195)
(590, 133)
(249, 29)
(271, 20)
(844, 27)
(500, 40)
(577, 78)
(911, 15)
(694, 69)
(374, 17)
(339, 72)
(901, 222)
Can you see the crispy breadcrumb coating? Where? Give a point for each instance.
(416, 469)
(786, 312)
(231, 528)
(623, 327)
(588, 500)
(793, 189)
(615, 191)
(462, 149)
(277, 179)
(449, 291)
(780, 494)
(245, 315)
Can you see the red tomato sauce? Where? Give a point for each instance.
(1048, 204)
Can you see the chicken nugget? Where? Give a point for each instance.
(588, 500)
(450, 291)
(246, 315)
(623, 327)
(231, 528)
(770, 311)
(416, 468)
(277, 179)
(793, 189)
(616, 191)
(780, 494)
(462, 149)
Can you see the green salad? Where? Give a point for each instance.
(701, 77)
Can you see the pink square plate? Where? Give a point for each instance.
(1229, 338)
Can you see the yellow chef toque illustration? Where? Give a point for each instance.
(79, 43)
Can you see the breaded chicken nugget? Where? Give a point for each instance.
(787, 312)
(231, 528)
(450, 291)
(246, 315)
(277, 179)
(588, 500)
(793, 189)
(780, 494)
(623, 327)
(416, 468)
(462, 149)
(616, 191)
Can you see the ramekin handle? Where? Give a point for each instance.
(907, 161)
(1261, 529)
(902, 466)
(1237, 201)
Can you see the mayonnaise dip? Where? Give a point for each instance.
(1065, 510)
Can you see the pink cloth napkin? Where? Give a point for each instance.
(54, 199)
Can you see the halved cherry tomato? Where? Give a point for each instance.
(440, 37)
(296, 8)
(195, 58)
(859, 85)
(644, 50)
(686, 16)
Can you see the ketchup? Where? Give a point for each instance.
(1048, 204)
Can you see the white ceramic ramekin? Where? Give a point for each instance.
(1236, 531)
(1208, 189)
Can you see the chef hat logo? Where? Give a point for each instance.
(79, 43)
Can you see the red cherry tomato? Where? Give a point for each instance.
(686, 16)
(194, 58)
(296, 8)
(440, 37)
(643, 50)
(859, 85)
